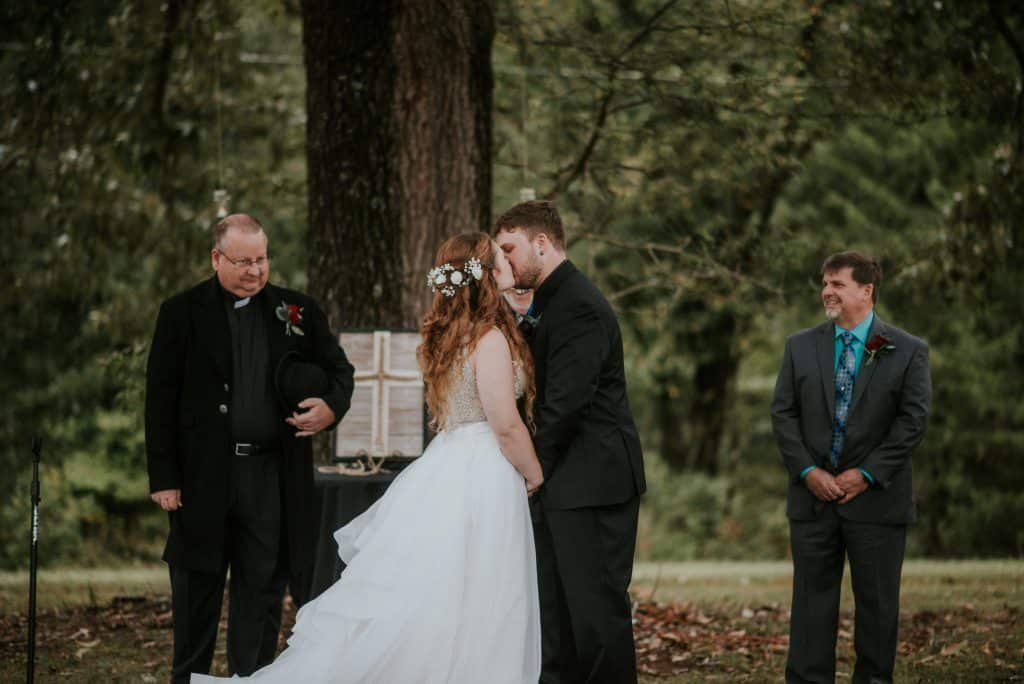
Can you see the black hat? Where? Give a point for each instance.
(295, 380)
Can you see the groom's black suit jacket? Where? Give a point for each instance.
(189, 443)
(887, 419)
(586, 439)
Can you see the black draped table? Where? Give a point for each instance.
(340, 498)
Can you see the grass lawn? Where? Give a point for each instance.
(961, 621)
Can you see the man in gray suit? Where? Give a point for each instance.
(851, 404)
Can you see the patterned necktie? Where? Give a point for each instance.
(845, 373)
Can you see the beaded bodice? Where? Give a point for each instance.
(464, 401)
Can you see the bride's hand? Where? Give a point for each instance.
(533, 485)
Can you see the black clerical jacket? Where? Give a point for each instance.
(188, 419)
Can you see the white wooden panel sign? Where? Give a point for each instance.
(386, 417)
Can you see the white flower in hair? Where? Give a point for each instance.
(446, 279)
(475, 269)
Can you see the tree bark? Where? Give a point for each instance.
(692, 422)
(713, 384)
(399, 146)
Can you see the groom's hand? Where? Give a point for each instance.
(823, 485)
(853, 483)
(317, 416)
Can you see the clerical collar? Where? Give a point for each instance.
(236, 301)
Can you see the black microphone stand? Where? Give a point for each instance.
(37, 446)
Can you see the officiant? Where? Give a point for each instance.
(241, 373)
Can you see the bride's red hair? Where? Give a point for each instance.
(454, 325)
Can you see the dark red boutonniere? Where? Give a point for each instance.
(291, 314)
(878, 345)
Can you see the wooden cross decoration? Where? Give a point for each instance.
(386, 418)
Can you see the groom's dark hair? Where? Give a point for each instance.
(866, 270)
(533, 217)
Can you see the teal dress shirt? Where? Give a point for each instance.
(860, 338)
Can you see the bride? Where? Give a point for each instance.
(440, 583)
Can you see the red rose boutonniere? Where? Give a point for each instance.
(878, 346)
(291, 314)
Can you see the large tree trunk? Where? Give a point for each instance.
(693, 426)
(705, 423)
(399, 145)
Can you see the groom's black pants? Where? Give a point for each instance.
(257, 581)
(584, 566)
(876, 561)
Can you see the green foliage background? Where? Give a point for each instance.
(706, 156)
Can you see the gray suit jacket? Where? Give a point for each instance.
(887, 419)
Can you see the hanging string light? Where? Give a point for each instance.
(221, 197)
(526, 193)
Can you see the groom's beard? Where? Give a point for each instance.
(529, 276)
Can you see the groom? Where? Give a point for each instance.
(585, 514)
(851, 402)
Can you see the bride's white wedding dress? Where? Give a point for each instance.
(440, 583)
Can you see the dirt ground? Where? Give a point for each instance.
(129, 639)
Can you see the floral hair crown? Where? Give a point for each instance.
(446, 278)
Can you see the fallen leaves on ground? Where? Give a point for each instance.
(679, 638)
(140, 624)
(734, 643)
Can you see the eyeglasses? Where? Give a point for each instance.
(262, 263)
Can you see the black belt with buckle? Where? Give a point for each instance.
(256, 449)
